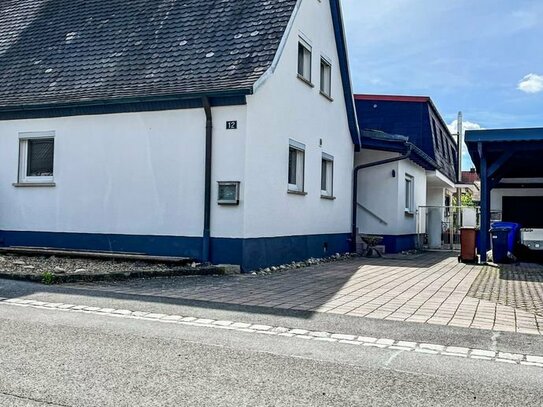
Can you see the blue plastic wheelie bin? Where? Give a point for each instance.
(504, 238)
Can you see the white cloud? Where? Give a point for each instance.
(466, 125)
(531, 83)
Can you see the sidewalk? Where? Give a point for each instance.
(431, 288)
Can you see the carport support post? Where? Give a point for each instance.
(485, 205)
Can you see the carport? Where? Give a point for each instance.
(510, 164)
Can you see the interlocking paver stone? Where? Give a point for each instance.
(424, 288)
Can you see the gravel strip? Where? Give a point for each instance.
(61, 269)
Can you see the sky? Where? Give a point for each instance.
(481, 57)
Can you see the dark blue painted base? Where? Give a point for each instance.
(265, 252)
(250, 254)
(400, 243)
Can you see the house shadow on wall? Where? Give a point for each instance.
(294, 293)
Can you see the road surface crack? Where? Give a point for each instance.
(49, 403)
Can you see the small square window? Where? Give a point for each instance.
(296, 162)
(327, 176)
(326, 78)
(409, 194)
(228, 193)
(304, 61)
(36, 157)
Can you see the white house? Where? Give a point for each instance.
(223, 131)
(407, 171)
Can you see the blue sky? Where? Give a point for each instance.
(483, 57)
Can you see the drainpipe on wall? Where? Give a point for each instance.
(355, 188)
(206, 245)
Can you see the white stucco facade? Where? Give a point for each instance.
(129, 173)
(284, 107)
(381, 195)
(143, 173)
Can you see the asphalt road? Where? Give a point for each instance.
(55, 358)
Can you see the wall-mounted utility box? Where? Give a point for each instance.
(228, 193)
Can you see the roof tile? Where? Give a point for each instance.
(84, 50)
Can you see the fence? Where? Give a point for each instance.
(438, 227)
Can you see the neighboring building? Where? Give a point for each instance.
(405, 200)
(473, 182)
(470, 177)
(223, 131)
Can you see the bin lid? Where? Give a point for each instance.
(509, 225)
(501, 229)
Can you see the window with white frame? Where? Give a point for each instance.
(327, 176)
(304, 60)
(296, 162)
(326, 77)
(409, 194)
(36, 157)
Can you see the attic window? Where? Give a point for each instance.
(304, 61)
(326, 78)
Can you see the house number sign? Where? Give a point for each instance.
(232, 125)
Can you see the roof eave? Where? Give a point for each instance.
(127, 100)
(341, 44)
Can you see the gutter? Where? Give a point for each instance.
(206, 244)
(410, 148)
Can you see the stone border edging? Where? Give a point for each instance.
(58, 278)
(347, 339)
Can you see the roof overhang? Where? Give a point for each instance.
(125, 105)
(510, 153)
(341, 45)
(435, 179)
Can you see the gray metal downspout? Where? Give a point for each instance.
(206, 244)
(355, 188)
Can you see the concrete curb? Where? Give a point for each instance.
(62, 278)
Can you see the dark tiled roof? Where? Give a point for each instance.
(55, 51)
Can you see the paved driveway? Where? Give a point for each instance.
(427, 288)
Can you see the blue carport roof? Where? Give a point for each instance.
(526, 144)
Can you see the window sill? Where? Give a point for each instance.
(330, 99)
(328, 197)
(292, 192)
(34, 184)
(409, 213)
(306, 81)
